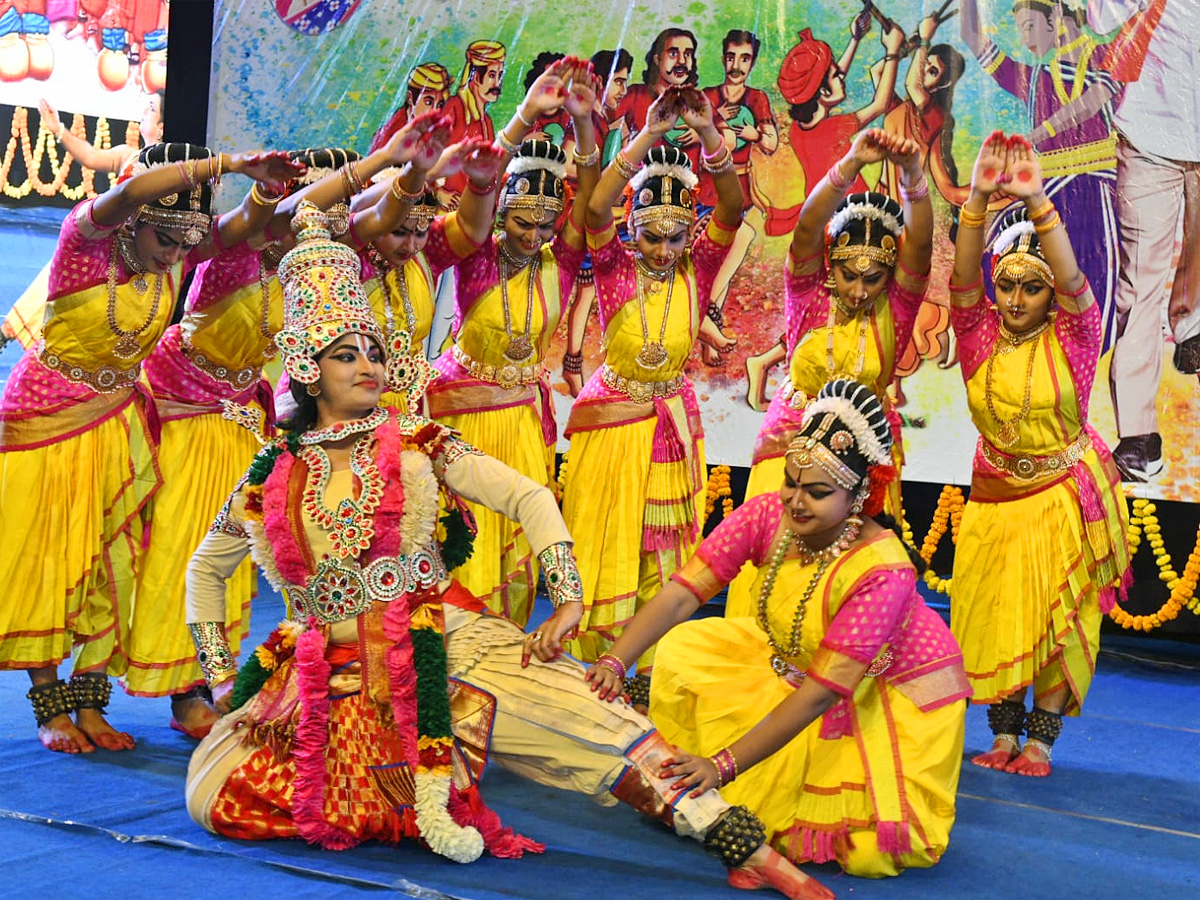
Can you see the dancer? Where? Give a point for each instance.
(511, 292)
(635, 428)
(850, 309)
(1041, 549)
(367, 648)
(839, 634)
(78, 434)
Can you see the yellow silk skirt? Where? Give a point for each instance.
(72, 539)
(502, 571)
(201, 459)
(1024, 605)
(713, 682)
(603, 506)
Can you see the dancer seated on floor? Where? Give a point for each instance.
(350, 699)
(1041, 549)
(840, 636)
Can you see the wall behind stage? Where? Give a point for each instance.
(297, 73)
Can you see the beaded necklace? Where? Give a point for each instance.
(351, 527)
(1008, 430)
(264, 319)
(520, 346)
(385, 268)
(863, 323)
(127, 346)
(339, 430)
(653, 354)
(823, 557)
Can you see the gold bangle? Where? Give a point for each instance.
(222, 678)
(402, 195)
(968, 219)
(525, 121)
(625, 167)
(258, 197)
(1042, 211)
(507, 144)
(586, 159)
(1049, 225)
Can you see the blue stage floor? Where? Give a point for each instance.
(1119, 817)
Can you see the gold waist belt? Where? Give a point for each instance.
(104, 380)
(640, 391)
(508, 376)
(1028, 468)
(341, 589)
(1090, 157)
(238, 379)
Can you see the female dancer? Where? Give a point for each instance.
(543, 721)
(77, 434)
(510, 294)
(839, 634)
(1041, 549)
(636, 426)
(856, 272)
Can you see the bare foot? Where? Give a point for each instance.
(756, 382)
(767, 868)
(61, 735)
(103, 735)
(1002, 753)
(192, 716)
(1031, 762)
(711, 357)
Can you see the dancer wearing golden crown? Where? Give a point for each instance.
(349, 698)
(857, 270)
(635, 428)
(492, 386)
(1041, 553)
(832, 710)
(78, 431)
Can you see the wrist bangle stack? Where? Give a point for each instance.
(507, 144)
(614, 665)
(968, 219)
(1042, 211)
(573, 363)
(586, 159)
(525, 121)
(726, 765)
(350, 180)
(625, 166)
(402, 195)
(721, 161)
(481, 191)
(188, 171)
(1049, 224)
(215, 168)
(837, 180)
(918, 191)
(262, 199)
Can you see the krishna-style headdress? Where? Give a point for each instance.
(847, 435)
(662, 192)
(424, 211)
(323, 297)
(189, 211)
(865, 228)
(1017, 254)
(534, 180)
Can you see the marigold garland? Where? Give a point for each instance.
(718, 488)
(946, 517)
(45, 147)
(1183, 589)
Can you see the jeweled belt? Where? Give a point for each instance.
(1028, 467)
(104, 380)
(640, 391)
(239, 379)
(341, 589)
(508, 375)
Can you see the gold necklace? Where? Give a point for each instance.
(1008, 430)
(264, 319)
(653, 354)
(823, 557)
(127, 346)
(520, 346)
(830, 321)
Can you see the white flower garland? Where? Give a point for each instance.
(260, 552)
(443, 835)
(658, 170)
(852, 211)
(522, 164)
(865, 436)
(1010, 236)
(420, 502)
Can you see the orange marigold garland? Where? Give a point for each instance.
(947, 517)
(718, 488)
(1183, 589)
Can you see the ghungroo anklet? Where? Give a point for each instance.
(734, 839)
(91, 691)
(1044, 727)
(51, 699)
(1007, 718)
(638, 689)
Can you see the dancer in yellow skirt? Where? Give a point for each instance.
(857, 270)
(1041, 552)
(77, 433)
(635, 429)
(858, 758)
(492, 386)
(216, 408)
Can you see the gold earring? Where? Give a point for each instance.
(313, 390)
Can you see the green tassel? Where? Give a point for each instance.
(264, 462)
(460, 542)
(251, 677)
(433, 702)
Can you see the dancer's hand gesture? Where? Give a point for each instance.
(989, 174)
(1023, 170)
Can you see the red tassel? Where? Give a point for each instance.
(879, 477)
(467, 808)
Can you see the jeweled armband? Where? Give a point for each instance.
(562, 575)
(212, 652)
